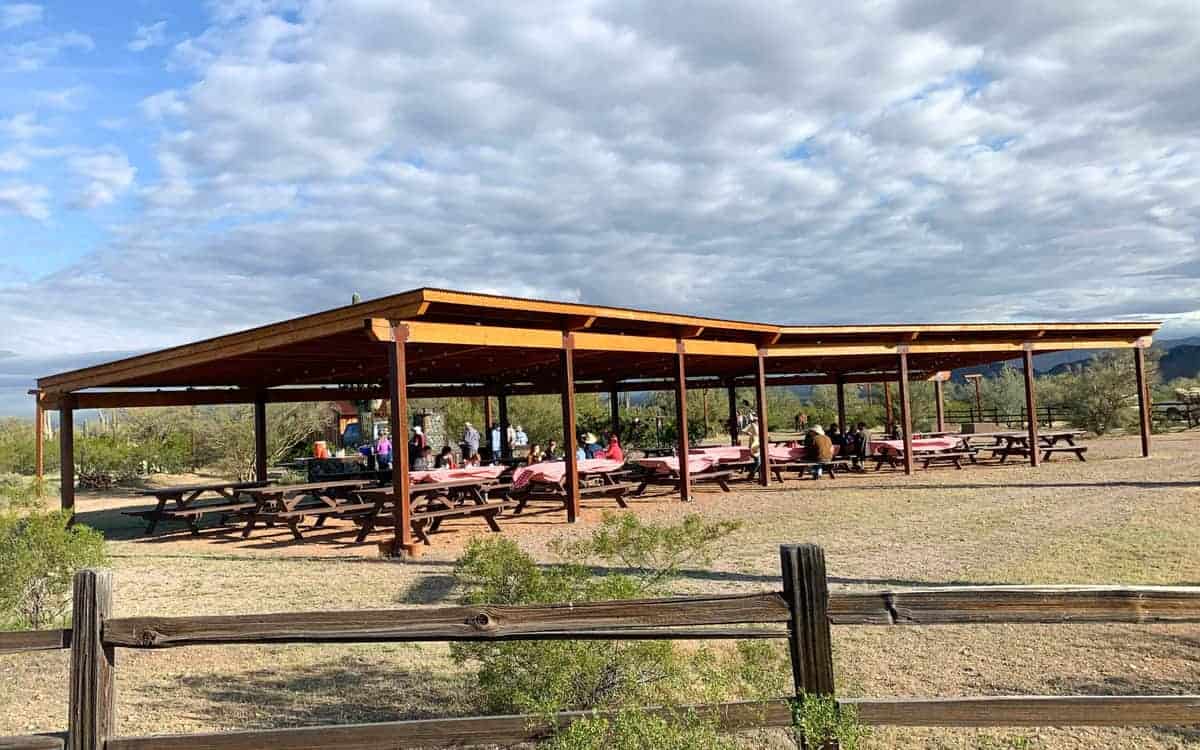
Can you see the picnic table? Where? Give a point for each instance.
(431, 502)
(785, 457)
(664, 470)
(1007, 444)
(598, 477)
(291, 503)
(929, 450)
(190, 502)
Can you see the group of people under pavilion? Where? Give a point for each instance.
(440, 343)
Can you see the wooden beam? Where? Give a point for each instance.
(939, 403)
(905, 413)
(579, 322)
(1031, 407)
(16, 642)
(841, 404)
(39, 438)
(760, 403)
(681, 423)
(307, 328)
(260, 438)
(402, 539)
(66, 451)
(571, 477)
(1143, 396)
(689, 332)
(888, 416)
(735, 437)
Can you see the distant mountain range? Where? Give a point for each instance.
(1180, 359)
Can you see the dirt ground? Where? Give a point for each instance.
(1113, 519)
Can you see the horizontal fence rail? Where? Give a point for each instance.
(34, 640)
(680, 618)
(802, 613)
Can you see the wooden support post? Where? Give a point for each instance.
(806, 592)
(567, 386)
(905, 412)
(939, 399)
(735, 437)
(92, 709)
(402, 539)
(1031, 407)
(760, 404)
(1143, 394)
(505, 445)
(260, 437)
(889, 422)
(66, 450)
(681, 424)
(487, 422)
(841, 404)
(39, 438)
(614, 407)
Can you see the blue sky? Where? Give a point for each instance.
(171, 171)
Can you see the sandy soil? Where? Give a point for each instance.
(1114, 519)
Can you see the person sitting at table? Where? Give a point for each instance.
(581, 447)
(424, 460)
(613, 452)
(553, 452)
(472, 460)
(835, 436)
(820, 451)
(592, 445)
(534, 455)
(445, 459)
(519, 437)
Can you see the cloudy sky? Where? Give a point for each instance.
(169, 172)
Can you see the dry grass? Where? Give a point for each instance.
(1114, 519)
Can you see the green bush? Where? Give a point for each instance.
(820, 720)
(39, 556)
(623, 559)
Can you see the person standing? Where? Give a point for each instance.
(470, 439)
(519, 437)
(383, 452)
(494, 440)
(416, 446)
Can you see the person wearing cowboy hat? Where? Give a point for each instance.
(819, 450)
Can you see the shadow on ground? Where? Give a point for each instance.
(339, 691)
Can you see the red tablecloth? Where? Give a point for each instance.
(664, 464)
(896, 447)
(449, 475)
(553, 471)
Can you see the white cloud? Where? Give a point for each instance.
(908, 160)
(105, 176)
(13, 15)
(151, 35)
(67, 100)
(34, 54)
(22, 127)
(30, 201)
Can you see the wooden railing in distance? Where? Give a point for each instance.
(802, 612)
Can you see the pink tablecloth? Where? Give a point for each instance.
(449, 475)
(896, 447)
(553, 471)
(785, 453)
(724, 453)
(665, 464)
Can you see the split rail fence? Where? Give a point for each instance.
(802, 613)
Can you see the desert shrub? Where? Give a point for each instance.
(622, 559)
(39, 556)
(821, 721)
(18, 493)
(637, 730)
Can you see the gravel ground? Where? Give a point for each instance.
(1113, 519)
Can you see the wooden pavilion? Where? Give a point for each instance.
(441, 343)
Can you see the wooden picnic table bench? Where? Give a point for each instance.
(1017, 444)
(290, 503)
(671, 478)
(801, 467)
(192, 501)
(947, 457)
(433, 502)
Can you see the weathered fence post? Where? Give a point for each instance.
(807, 593)
(92, 714)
